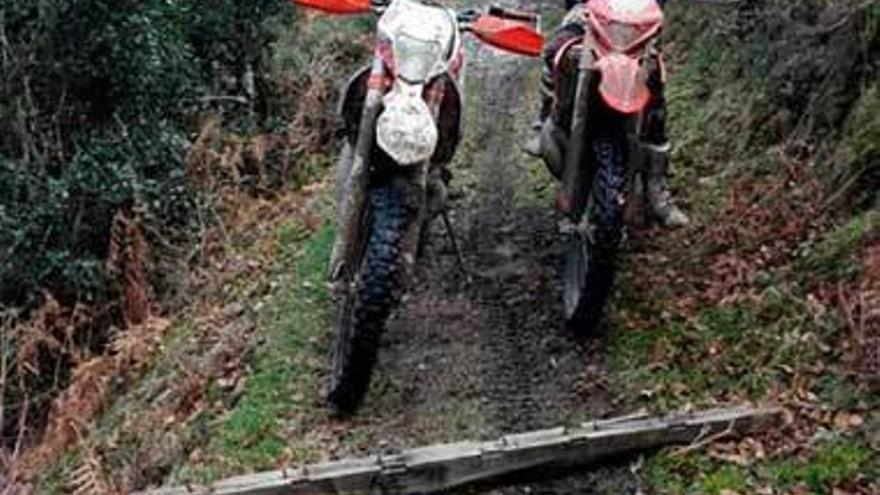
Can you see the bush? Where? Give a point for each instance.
(97, 96)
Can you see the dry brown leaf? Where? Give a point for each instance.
(844, 421)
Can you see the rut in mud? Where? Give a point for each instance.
(479, 358)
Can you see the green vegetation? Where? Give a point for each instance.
(285, 369)
(835, 257)
(834, 462)
(771, 152)
(168, 117)
(860, 146)
(98, 101)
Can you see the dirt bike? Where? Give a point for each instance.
(402, 117)
(590, 142)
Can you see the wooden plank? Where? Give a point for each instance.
(445, 466)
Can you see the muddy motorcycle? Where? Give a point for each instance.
(402, 118)
(590, 142)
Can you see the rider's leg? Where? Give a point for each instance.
(656, 146)
(563, 35)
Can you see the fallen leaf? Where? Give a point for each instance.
(845, 421)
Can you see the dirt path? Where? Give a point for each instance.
(474, 360)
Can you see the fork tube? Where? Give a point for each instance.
(572, 200)
(418, 185)
(351, 210)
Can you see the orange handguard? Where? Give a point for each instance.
(340, 7)
(513, 36)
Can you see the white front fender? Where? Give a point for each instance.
(406, 129)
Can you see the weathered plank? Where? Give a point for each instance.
(441, 467)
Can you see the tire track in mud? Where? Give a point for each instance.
(475, 360)
(538, 376)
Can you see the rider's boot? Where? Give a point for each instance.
(655, 144)
(660, 201)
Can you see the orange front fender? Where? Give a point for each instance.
(623, 83)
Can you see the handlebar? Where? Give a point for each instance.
(470, 15)
(508, 29)
(514, 15)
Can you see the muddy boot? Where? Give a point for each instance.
(660, 202)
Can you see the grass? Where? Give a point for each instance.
(282, 382)
(696, 475)
(835, 462)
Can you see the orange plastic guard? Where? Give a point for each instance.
(513, 36)
(336, 6)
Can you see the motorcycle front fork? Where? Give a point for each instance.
(635, 212)
(430, 191)
(425, 198)
(417, 191)
(424, 186)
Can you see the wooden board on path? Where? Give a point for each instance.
(442, 467)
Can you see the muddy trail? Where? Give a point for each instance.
(475, 357)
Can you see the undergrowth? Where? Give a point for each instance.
(768, 298)
(148, 421)
(283, 374)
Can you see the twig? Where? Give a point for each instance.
(3, 375)
(703, 440)
(22, 426)
(843, 21)
(224, 99)
(842, 190)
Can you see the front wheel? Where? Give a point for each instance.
(591, 253)
(363, 312)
